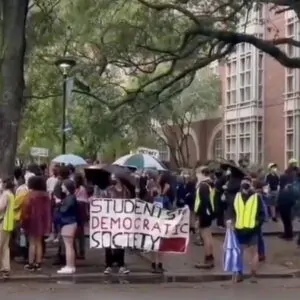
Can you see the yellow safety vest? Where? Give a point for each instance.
(8, 217)
(211, 196)
(20, 198)
(245, 211)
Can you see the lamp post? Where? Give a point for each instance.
(64, 65)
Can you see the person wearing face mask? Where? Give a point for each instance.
(247, 217)
(231, 188)
(57, 196)
(119, 191)
(272, 181)
(68, 219)
(204, 210)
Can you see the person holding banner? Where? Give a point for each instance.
(204, 210)
(118, 191)
(163, 202)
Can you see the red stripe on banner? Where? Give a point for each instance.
(172, 245)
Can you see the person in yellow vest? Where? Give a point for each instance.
(204, 211)
(247, 218)
(7, 224)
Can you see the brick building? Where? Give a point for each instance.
(260, 114)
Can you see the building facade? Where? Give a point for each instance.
(260, 116)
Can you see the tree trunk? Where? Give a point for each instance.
(14, 13)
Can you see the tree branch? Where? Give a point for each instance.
(42, 97)
(94, 97)
(201, 28)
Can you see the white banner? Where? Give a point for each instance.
(138, 224)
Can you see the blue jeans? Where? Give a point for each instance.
(261, 244)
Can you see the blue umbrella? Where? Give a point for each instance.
(70, 159)
(233, 256)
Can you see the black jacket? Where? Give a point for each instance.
(205, 208)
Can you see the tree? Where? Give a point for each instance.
(12, 51)
(97, 35)
(218, 20)
(175, 117)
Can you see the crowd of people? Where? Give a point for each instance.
(242, 201)
(41, 205)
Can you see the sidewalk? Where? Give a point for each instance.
(87, 270)
(282, 262)
(181, 267)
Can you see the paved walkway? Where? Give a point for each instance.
(94, 263)
(184, 264)
(282, 262)
(264, 289)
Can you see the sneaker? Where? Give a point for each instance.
(206, 265)
(192, 230)
(124, 270)
(49, 239)
(107, 271)
(5, 274)
(237, 277)
(56, 240)
(153, 268)
(37, 267)
(253, 277)
(160, 268)
(29, 267)
(66, 270)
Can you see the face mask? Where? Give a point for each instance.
(114, 181)
(64, 190)
(245, 186)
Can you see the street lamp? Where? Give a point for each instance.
(64, 65)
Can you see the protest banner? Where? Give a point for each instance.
(138, 224)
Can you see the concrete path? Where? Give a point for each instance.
(183, 268)
(282, 262)
(265, 289)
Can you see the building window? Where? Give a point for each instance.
(245, 79)
(290, 30)
(243, 138)
(218, 146)
(230, 140)
(231, 83)
(290, 134)
(291, 85)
